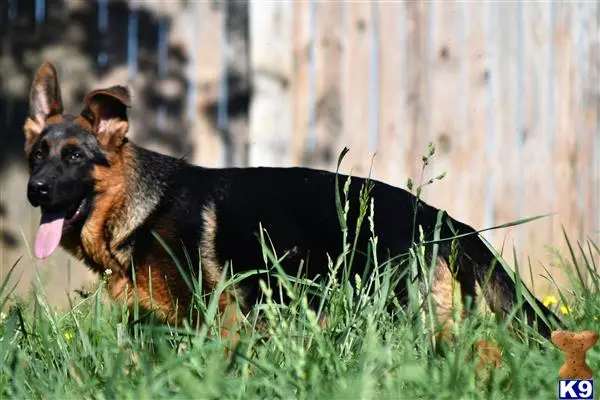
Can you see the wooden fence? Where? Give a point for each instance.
(509, 92)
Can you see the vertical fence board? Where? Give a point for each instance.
(586, 36)
(474, 120)
(355, 97)
(390, 162)
(446, 131)
(417, 99)
(271, 66)
(236, 85)
(300, 84)
(328, 79)
(564, 152)
(591, 118)
(504, 76)
(207, 21)
(536, 155)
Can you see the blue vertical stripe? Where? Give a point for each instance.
(192, 84)
(102, 29)
(519, 121)
(102, 16)
(132, 44)
(40, 11)
(490, 29)
(163, 48)
(224, 75)
(161, 67)
(12, 10)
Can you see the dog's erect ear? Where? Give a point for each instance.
(44, 97)
(106, 110)
(44, 101)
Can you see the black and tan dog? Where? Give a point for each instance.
(106, 201)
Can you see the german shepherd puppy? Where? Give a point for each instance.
(107, 201)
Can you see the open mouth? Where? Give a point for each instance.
(51, 227)
(75, 215)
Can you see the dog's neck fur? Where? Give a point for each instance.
(140, 175)
(129, 166)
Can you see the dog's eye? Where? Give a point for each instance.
(38, 154)
(76, 156)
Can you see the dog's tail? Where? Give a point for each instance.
(500, 291)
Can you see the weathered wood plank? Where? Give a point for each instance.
(206, 23)
(565, 135)
(505, 126)
(271, 66)
(355, 92)
(327, 101)
(417, 100)
(391, 163)
(536, 123)
(586, 37)
(474, 120)
(300, 85)
(446, 109)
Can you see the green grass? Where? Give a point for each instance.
(365, 352)
(371, 347)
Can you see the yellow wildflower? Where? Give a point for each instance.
(550, 300)
(68, 336)
(564, 309)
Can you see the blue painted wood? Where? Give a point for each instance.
(13, 10)
(102, 58)
(132, 43)
(161, 66)
(222, 112)
(40, 11)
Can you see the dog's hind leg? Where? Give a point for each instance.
(442, 295)
(452, 295)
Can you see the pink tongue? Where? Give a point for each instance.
(48, 234)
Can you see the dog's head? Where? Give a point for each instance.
(63, 151)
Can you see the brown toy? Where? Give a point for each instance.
(574, 345)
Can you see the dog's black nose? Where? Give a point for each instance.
(38, 191)
(40, 187)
